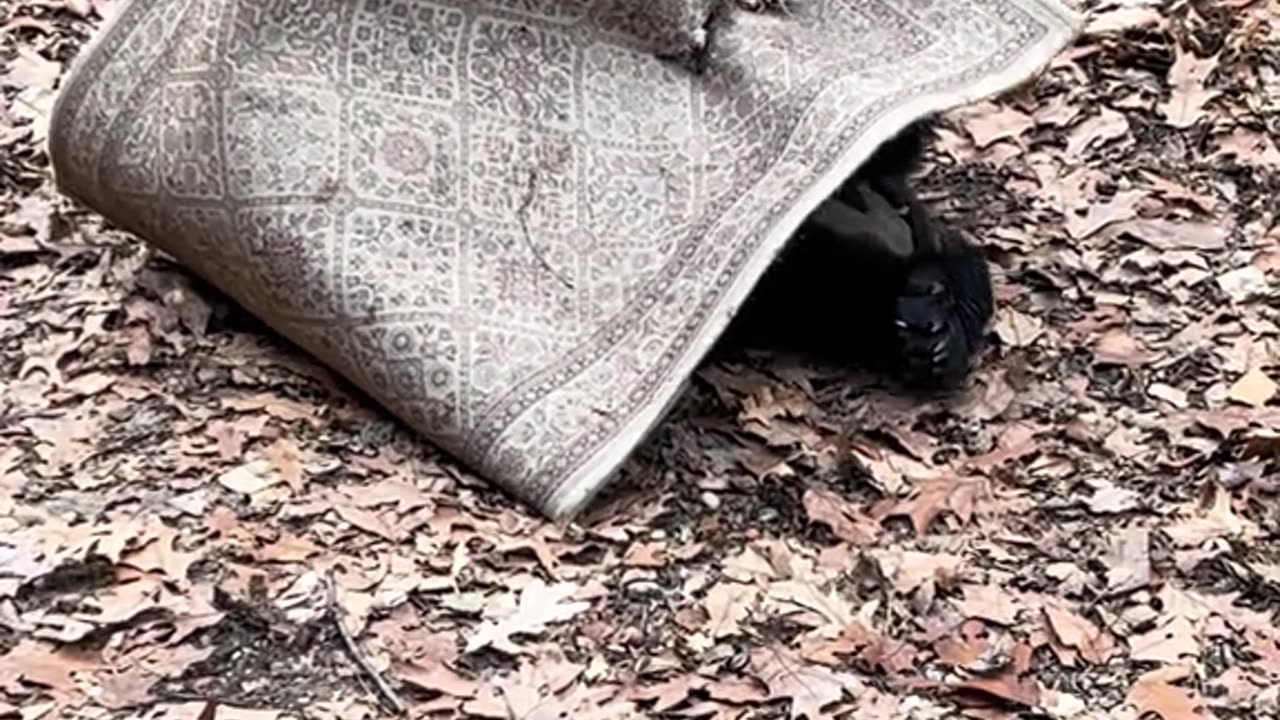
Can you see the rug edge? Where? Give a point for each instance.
(596, 472)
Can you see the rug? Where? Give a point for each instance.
(519, 225)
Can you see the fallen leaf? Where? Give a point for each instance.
(668, 694)
(1124, 17)
(1244, 283)
(286, 459)
(1253, 388)
(1110, 499)
(1121, 207)
(540, 605)
(250, 478)
(646, 555)
(990, 123)
(368, 522)
(1129, 560)
(1106, 125)
(737, 691)
(727, 605)
(830, 606)
(1005, 686)
(1079, 634)
(1154, 694)
(48, 665)
(809, 687)
(1016, 329)
(1170, 643)
(753, 564)
(909, 569)
(1176, 235)
(845, 520)
(29, 69)
(1187, 92)
(436, 677)
(1213, 517)
(1169, 394)
(958, 495)
(1249, 147)
(991, 603)
(1117, 347)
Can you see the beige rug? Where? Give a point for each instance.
(518, 224)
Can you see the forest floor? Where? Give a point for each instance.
(190, 509)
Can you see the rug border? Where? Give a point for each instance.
(598, 470)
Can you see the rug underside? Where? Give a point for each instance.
(517, 224)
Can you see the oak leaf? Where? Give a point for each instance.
(540, 605)
(809, 687)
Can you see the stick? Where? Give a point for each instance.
(385, 693)
(530, 194)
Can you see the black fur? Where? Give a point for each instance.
(873, 278)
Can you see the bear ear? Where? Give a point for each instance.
(878, 230)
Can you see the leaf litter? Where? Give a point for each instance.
(1088, 531)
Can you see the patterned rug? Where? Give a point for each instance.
(518, 224)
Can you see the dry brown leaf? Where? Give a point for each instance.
(1177, 235)
(890, 655)
(1176, 191)
(756, 563)
(47, 665)
(1129, 561)
(29, 70)
(1253, 388)
(249, 478)
(1005, 686)
(1110, 499)
(991, 603)
(989, 123)
(436, 677)
(161, 553)
(273, 405)
(286, 459)
(727, 605)
(969, 647)
(1154, 693)
(1124, 17)
(1123, 206)
(646, 555)
(769, 402)
(959, 495)
(989, 399)
(1171, 643)
(737, 691)
(909, 569)
(1249, 147)
(1106, 125)
(540, 605)
(1079, 634)
(368, 522)
(1058, 111)
(1169, 394)
(1187, 92)
(1212, 517)
(833, 609)
(668, 694)
(853, 639)
(1016, 329)
(846, 521)
(1117, 347)
(288, 548)
(809, 687)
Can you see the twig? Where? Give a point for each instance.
(388, 696)
(521, 212)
